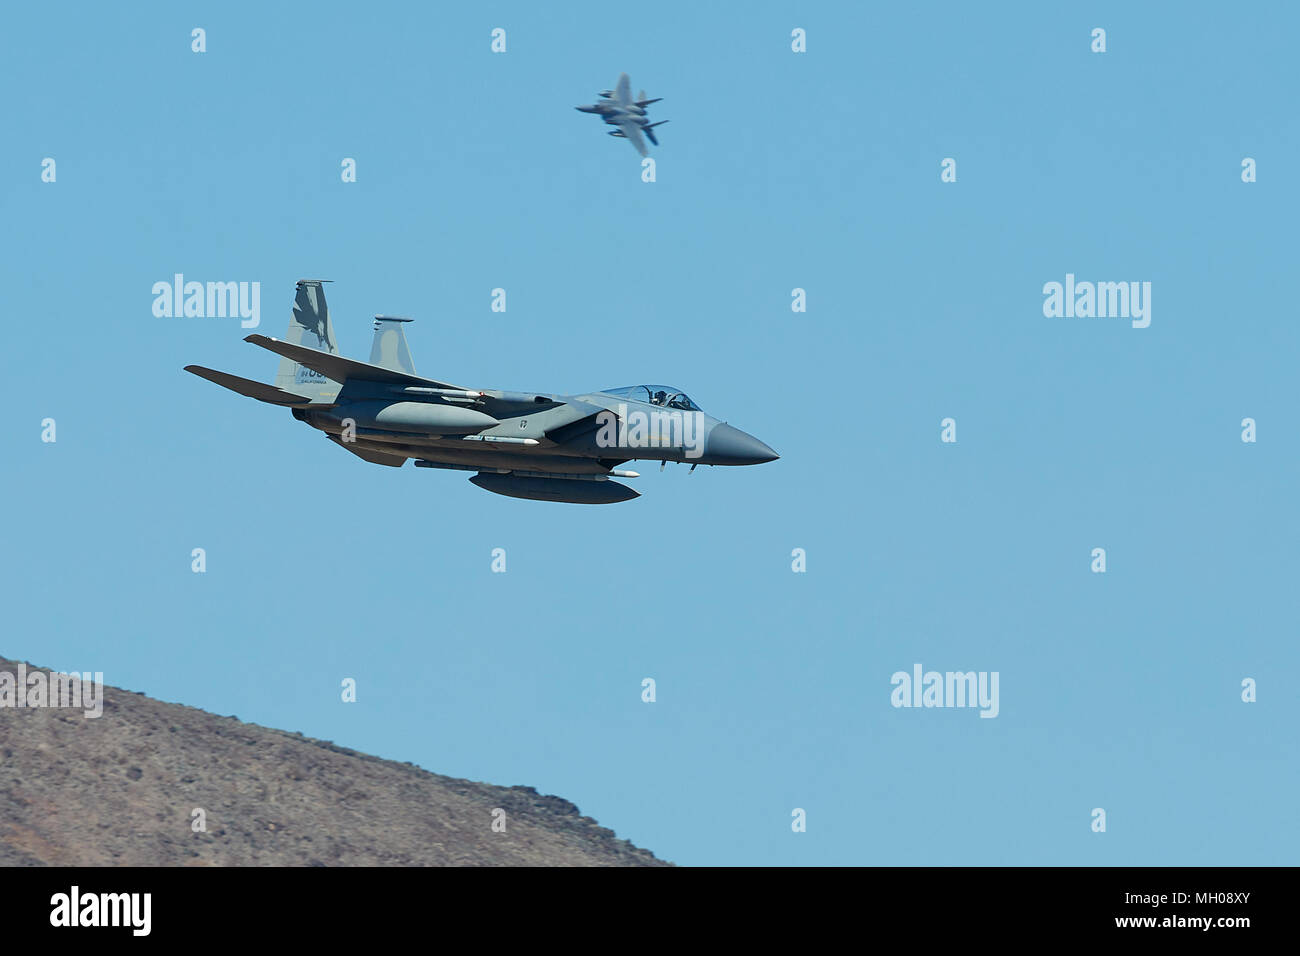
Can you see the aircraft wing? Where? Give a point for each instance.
(623, 92)
(341, 369)
(633, 133)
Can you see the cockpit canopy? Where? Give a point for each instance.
(665, 395)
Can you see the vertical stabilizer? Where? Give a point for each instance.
(310, 327)
(389, 349)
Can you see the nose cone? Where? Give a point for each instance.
(730, 446)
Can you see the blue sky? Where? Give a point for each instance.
(778, 170)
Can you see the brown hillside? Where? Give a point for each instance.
(120, 790)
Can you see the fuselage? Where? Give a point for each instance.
(587, 433)
(614, 114)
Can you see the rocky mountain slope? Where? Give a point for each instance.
(122, 790)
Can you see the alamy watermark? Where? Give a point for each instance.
(84, 692)
(130, 910)
(670, 428)
(212, 300)
(1103, 300)
(923, 688)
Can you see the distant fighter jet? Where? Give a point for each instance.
(531, 445)
(627, 114)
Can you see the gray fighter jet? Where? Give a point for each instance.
(619, 109)
(533, 445)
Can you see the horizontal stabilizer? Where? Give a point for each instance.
(263, 393)
(342, 369)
